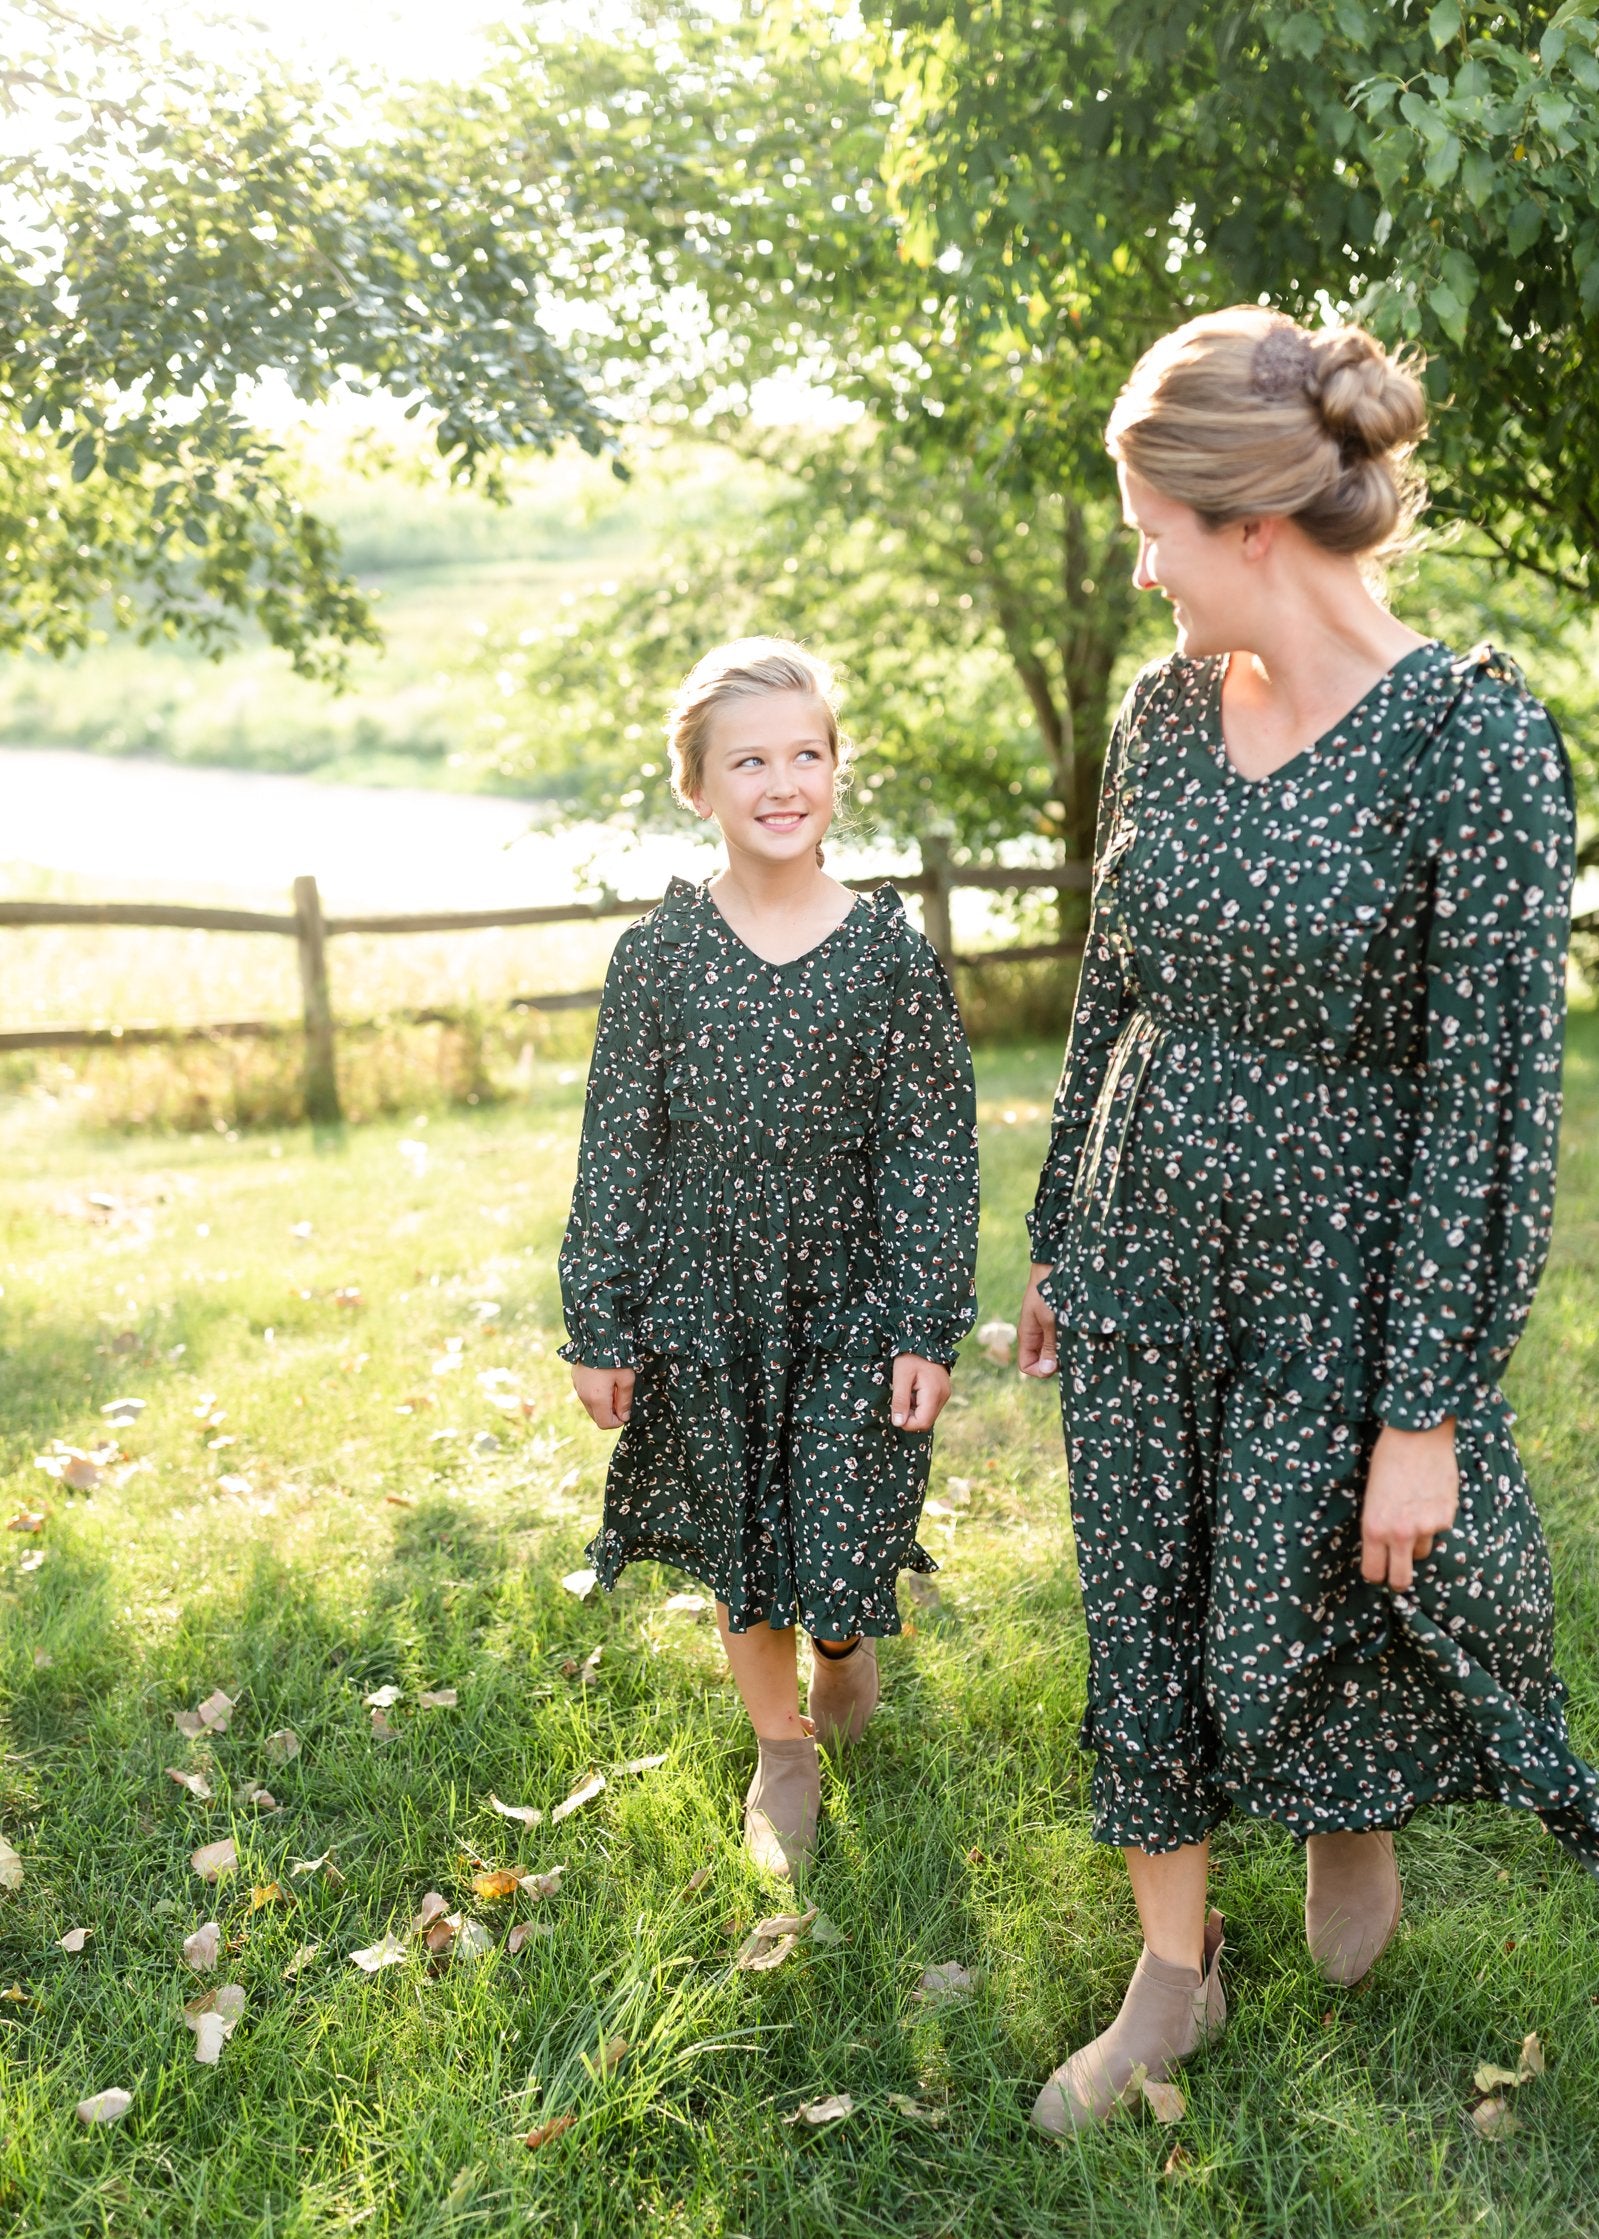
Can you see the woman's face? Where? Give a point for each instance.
(768, 774)
(1198, 568)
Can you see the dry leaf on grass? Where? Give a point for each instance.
(1494, 2118)
(472, 1940)
(1529, 2063)
(309, 1865)
(121, 1411)
(542, 1885)
(498, 1882)
(611, 2056)
(697, 1880)
(212, 1860)
(528, 1814)
(588, 1671)
(15, 1996)
(32, 1561)
(817, 2111)
(524, 1929)
(301, 1960)
(1531, 2060)
(584, 1793)
(437, 1698)
(433, 1907)
(381, 1729)
(548, 2130)
(74, 1939)
(105, 2106)
(282, 1745)
(947, 1980)
(213, 2017)
(644, 1764)
(1177, 2162)
(389, 1953)
(997, 1340)
(581, 1582)
(758, 1955)
(685, 1605)
(1164, 2101)
(918, 2113)
(10, 1866)
(196, 1783)
(201, 1949)
(1490, 2078)
(383, 1698)
(42, 1659)
(268, 1893)
(27, 1520)
(262, 1798)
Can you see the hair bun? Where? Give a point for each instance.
(1366, 397)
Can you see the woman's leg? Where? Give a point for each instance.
(1170, 1894)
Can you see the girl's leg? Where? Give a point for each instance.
(766, 1673)
(844, 1688)
(1170, 1895)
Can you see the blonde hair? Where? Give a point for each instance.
(741, 670)
(1242, 412)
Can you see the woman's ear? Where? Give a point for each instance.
(1259, 535)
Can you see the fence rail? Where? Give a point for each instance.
(311, 929)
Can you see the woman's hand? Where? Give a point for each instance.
(607, 1393)
(1412, 1492)
(920, 1390)
(1035, 1329)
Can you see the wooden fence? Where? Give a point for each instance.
(311, 929)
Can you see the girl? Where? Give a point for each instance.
(768, 1265)
(1299, 1189)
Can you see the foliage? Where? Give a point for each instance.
(183, 232)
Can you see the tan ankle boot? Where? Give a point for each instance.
(781, 1806)
(1168, 2013)
(844, 1691)
(1352, 1900)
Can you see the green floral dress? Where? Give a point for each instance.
(1300, 1186)
(776, 1193)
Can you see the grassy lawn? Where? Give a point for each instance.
(377, 1521)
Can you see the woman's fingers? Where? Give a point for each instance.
(1035, 1338)
(1423, 1547)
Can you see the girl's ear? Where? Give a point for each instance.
(701, 807)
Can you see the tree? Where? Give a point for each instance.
(186, 231)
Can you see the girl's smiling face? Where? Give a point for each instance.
(768, 773)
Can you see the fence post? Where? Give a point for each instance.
(321, 1077)
(938, 870)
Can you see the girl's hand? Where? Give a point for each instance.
(607, 1393)
(1035, 1329)
(1412, 1492)
(920, 1390)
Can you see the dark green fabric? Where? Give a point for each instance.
(1300, 1186)
(777, 1193)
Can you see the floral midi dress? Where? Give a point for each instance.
(776, 1194)
(1299, 1186)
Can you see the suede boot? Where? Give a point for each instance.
(844, 1691)
(1168, 2013)
(781, 1806)
(1352, 1901)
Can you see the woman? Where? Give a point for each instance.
(1299, 1187)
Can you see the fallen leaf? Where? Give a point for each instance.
(1531, 2060)
(948, 1980)
(500, 1881)
(216, 1711)
(32, 1560)
(433, 1907)
(1176, 2161)
(823, 2110)
(438, 1698)
(74, 1939)
(383, 1698)
(1494, 2118)
(310, 1865)
(472, 1940)
(15, 1996)
(196, 1783)
(528, 1814)
(548, 2130)
(581, 1582)
(213, 2018)
(348, 1295)
(918, 2113)
(117, 1411)
(189, 1723)
(542, 1885)
(959, 1489)
(212, 1860)
(262, 1798)
(399, 1500)
(381, 1728)
(584, 1793)
(485, 1442)
(587, 1672)
(282, 1745)
(644, 1764)
(1490, 2078)
(997, 1340)
(105, 2106)
(758, 1954)
(42, 1659)
(389, 1953)
(785, 1923)
(27, 1520)
(301, 1960)
(1164, 2101)
(611, 2056)
(697, 1880)
(523, 1930)
(268, 1893)
(442, 1933)
(200, 1951)
(685, 1605)
(235, 1486)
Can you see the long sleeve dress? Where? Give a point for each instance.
(776, 1194)
(1299, 1187)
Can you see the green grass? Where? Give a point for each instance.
(393, 2104)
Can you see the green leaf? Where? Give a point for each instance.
(1444, 22)
(1300, 35)
(1442, 161)
(1526, 223)
(1460, 275)
(85, 454)
(1552, 45)
(1448, 310)
(1477, 174)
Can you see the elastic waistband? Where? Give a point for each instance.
(1170, 1025)
(777, 1153)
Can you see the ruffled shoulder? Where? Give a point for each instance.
(675, 918)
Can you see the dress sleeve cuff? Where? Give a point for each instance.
(1419, 1395)
(597, 1339)
(929, 1341)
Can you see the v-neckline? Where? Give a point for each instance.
(1306, 755)
(767, 963)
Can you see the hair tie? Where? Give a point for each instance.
(1283, 364)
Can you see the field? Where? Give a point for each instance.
(334, 1488)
